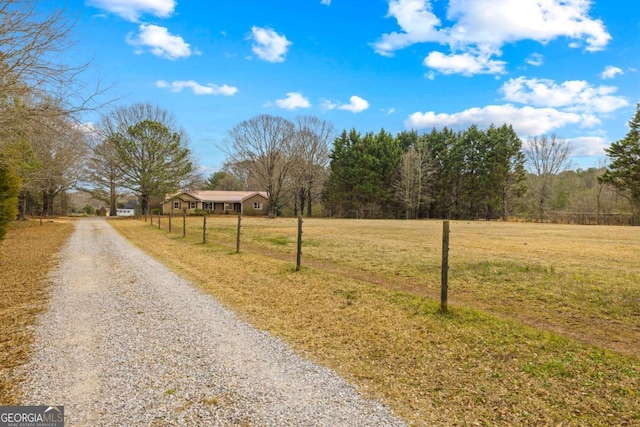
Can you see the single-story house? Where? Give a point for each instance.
(220, 202)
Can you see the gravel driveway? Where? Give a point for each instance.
(127, 342)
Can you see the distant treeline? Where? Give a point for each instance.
(469, 174)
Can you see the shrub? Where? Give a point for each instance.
(9, 189)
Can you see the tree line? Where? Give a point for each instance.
(40, 99)
(469, 174)
(304, 166)
(46, 150)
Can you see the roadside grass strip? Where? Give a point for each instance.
(27, 255)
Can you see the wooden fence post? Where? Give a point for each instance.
(204, 229)
(299, 251)
(184, 223)
(151, 215)
(170, 216)
(444, 284)
(158, 219)
(238, 233)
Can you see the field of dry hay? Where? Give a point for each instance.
(27, 255)
(544, 322)
(581, 282)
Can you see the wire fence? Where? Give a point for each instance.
(581, 218)
(222, 231)
(225, 230)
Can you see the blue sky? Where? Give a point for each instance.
(544, 66)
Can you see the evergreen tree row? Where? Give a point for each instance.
(469, 174)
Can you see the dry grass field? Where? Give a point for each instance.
(27, 255)
(582, 282)
(544, 322)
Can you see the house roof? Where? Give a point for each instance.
(222, 196)
(131, 204)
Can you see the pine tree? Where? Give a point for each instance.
(623, 172)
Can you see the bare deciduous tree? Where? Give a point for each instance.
(103, 175)
(309, 168)
(412, 183)
(41, 85)
(546, 156)
(265, 144)
(59, 148)
(37, 78)
(241, 172)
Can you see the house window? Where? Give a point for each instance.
(257, 206)
(176, 205)
(207, 205)
(193, 205)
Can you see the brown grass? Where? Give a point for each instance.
(470, 367)
(581, 282)
(26, 256)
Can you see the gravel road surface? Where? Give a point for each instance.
(126, 342)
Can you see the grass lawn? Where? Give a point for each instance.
(27, 255)
(544, 326)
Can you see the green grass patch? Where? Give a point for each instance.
(278, 240)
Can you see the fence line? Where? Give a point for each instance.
(581, 218)
(203, 231)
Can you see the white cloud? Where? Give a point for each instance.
(525, 120)
(610, 72)
(496, 22)
(572, 95)
(355, 105)
(198, 89)
(325, 2)
(160, 42)
(388, 112)
(465, 64)
(328, 105)
(481, 27)
(293, 101)
(418, 24)
(535, 59)
(588, 146)
(131, 10)
(269, 45)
